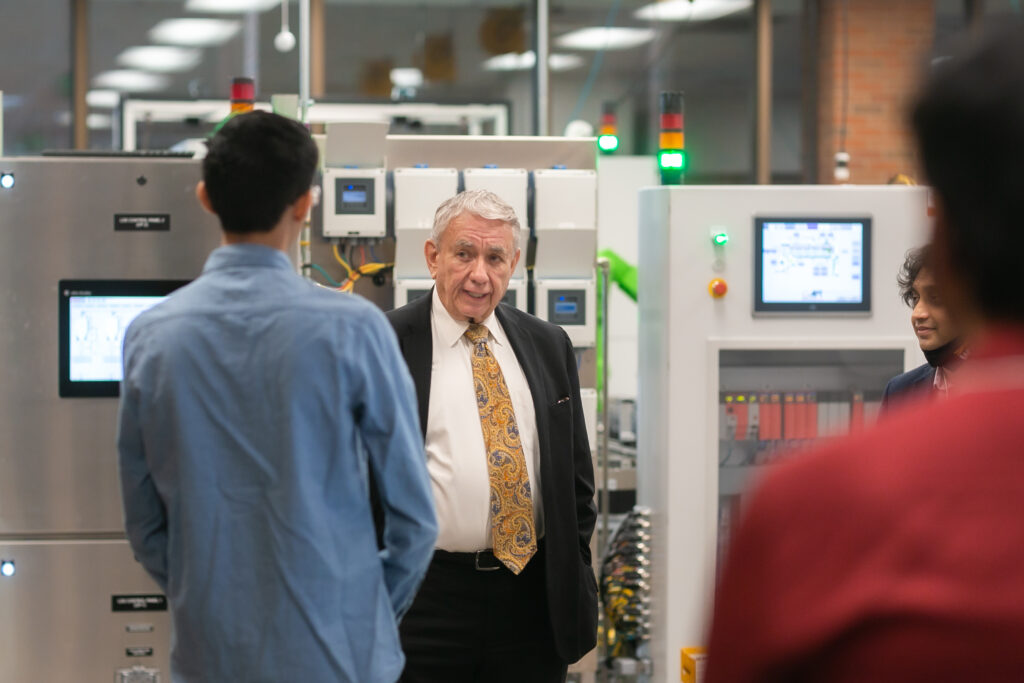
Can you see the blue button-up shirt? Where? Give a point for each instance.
(252, 407)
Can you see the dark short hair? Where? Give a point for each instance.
(915, 260)
(969, 124)
(257, 165)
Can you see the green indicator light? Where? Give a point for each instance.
(608, 143)
(672, 158)
(720, 239)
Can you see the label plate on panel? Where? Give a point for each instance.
(138, 603)
(138, 222)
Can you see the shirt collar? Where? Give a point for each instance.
(451, 330)
(234, 255)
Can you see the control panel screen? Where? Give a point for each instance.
(567, 306)
(812, 265)
(93, 317)
(353, 195)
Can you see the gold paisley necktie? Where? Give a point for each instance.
(512, 529)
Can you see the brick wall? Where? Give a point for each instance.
(889, 44)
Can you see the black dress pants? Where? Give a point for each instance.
(470, 625)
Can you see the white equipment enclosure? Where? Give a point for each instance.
(770, 318)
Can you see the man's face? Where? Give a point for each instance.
(472, 265)
(930, 317)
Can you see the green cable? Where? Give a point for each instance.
(330, 280)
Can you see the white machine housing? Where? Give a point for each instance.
(418, 193)
(684, 334)
(354, 203)
(511, 184)
(570, 303)
(565, 224)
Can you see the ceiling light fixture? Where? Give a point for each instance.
(103, 99)
(512, 61)
(606, 38)
(229, 6)
(686, 10)
(406, 77)
(128, 80)
(160, 58)
(284, 41)
(194, 32)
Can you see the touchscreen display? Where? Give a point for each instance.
(92, 318)
(97, 331)
(812, 265)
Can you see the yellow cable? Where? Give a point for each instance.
(337, 256)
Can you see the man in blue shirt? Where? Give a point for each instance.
(253, 408)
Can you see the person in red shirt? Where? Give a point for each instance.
(898, 554)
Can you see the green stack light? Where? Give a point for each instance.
(672, 161)
(608, 133)
(608, 143)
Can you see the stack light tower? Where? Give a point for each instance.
(671, 143)
(608, 133)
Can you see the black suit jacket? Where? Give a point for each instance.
(913, 384)
(566, 472)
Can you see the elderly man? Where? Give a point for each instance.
(937, 333)
(896, 554)
(510, 593)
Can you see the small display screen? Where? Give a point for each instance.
(353, 196)
(92, 318)
(565, 308)
(812, 265)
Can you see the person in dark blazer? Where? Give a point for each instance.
(937, 333)
(496, 606)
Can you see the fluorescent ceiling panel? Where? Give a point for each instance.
(560, 62)
(194, 32)
(606, 38)
(230, 6)
(160, 58)
(685, 10)
(511, 61)
(103, 99)
(129, 80)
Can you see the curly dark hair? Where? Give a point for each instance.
(915, 260)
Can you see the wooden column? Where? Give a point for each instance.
(318, 61)
(763, 122)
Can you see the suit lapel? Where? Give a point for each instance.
(417, 343)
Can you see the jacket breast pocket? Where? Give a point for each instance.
(560, 422)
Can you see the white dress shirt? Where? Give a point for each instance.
(456, 459)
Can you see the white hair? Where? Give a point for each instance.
(482, 203)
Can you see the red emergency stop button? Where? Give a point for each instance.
(718, 288)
